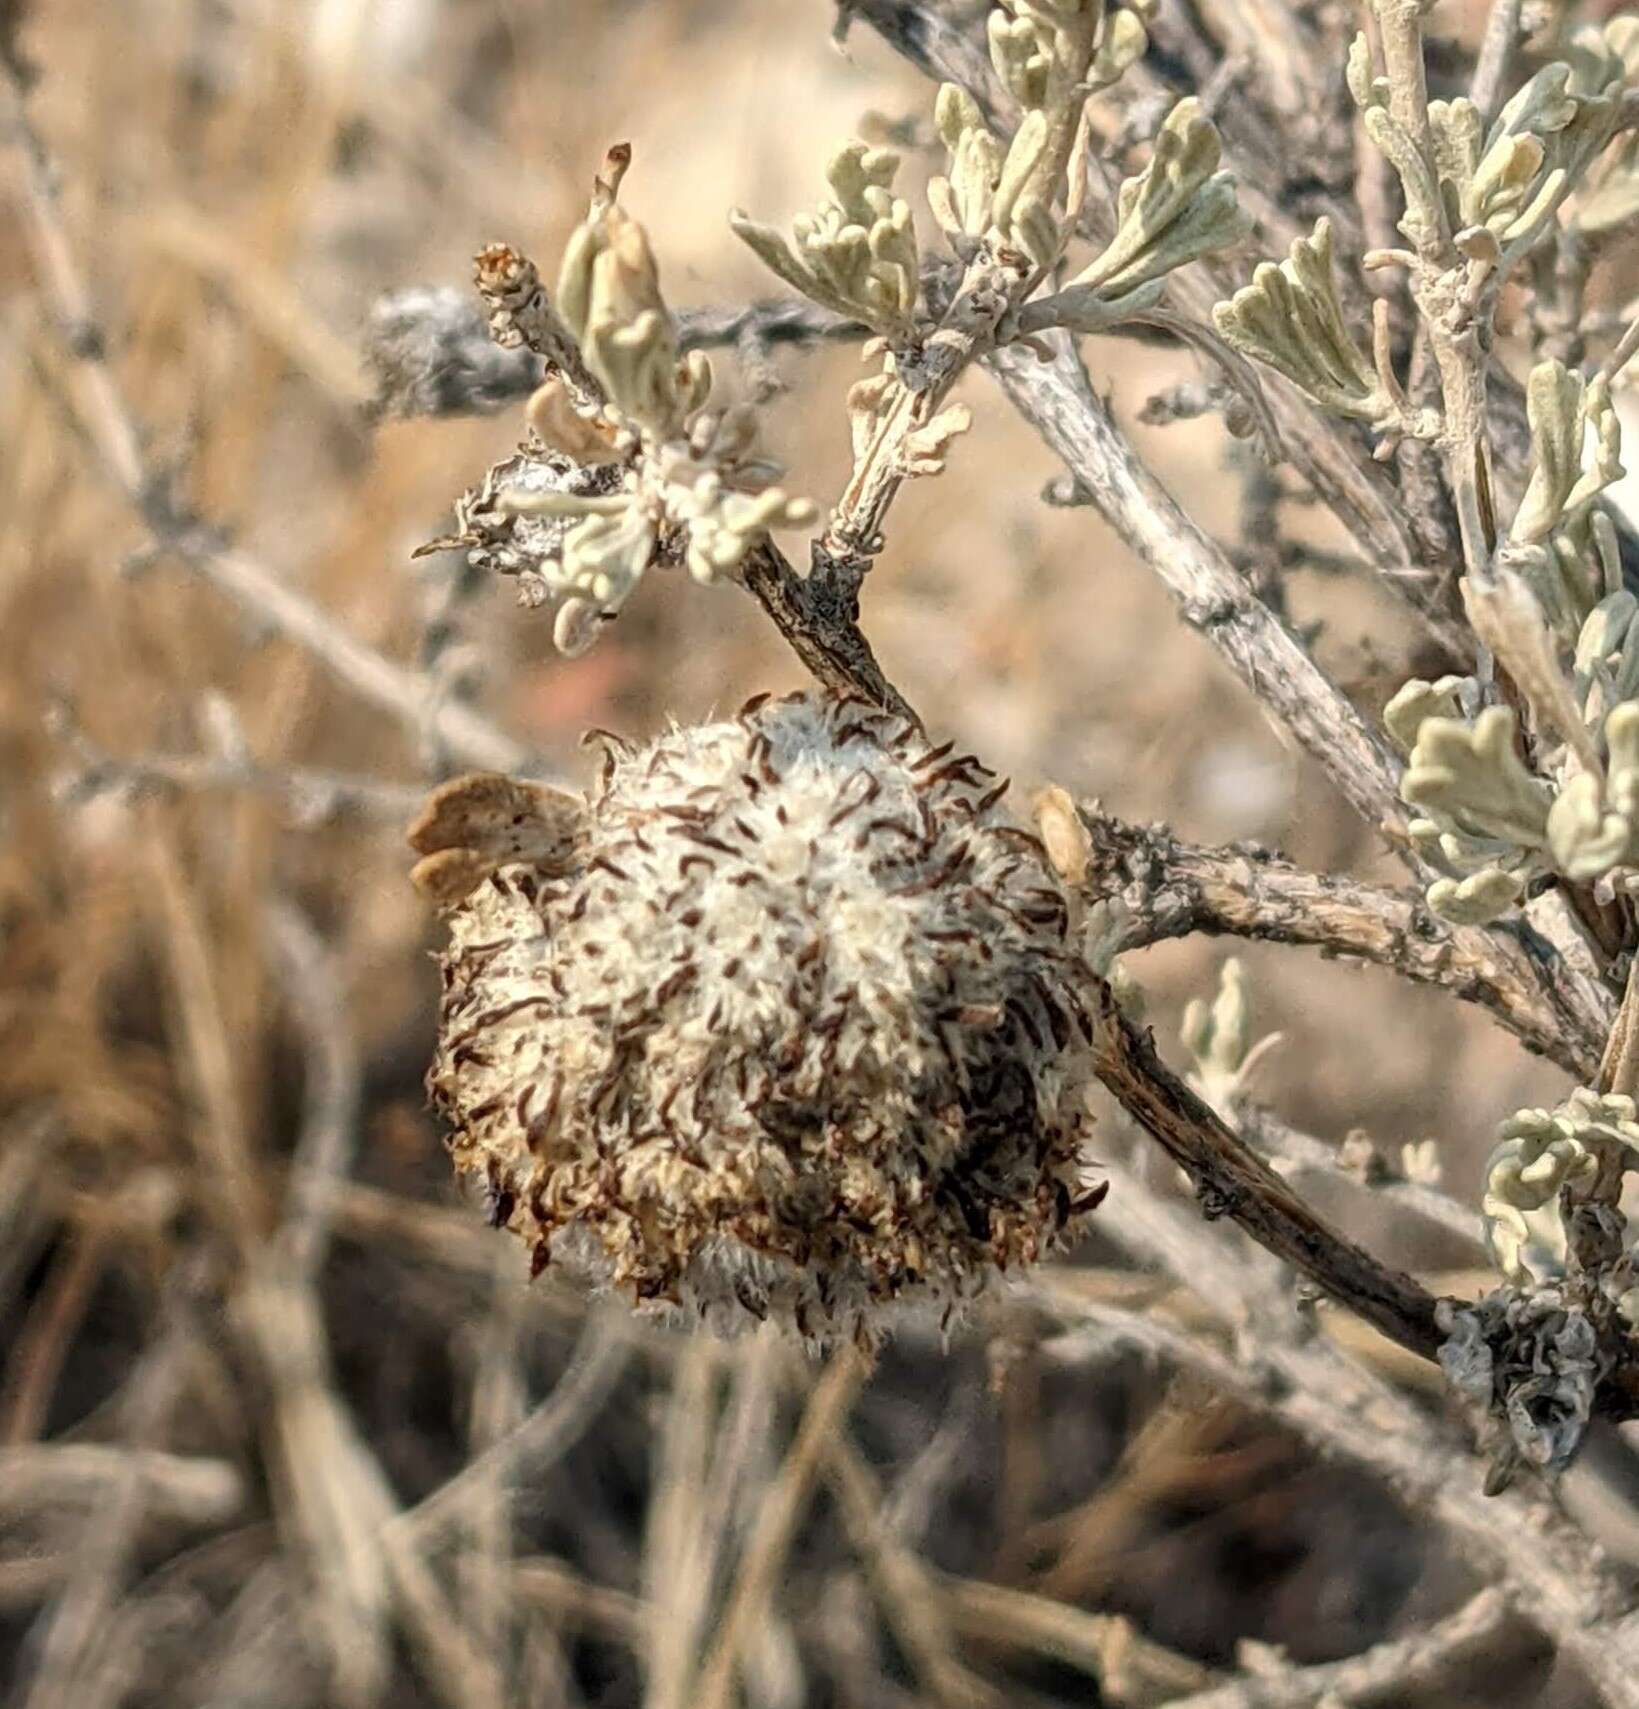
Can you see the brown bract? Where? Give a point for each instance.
(474, 824)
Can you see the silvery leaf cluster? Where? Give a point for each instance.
(856, 253)
(682, 482)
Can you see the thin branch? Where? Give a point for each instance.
(1056, 398)
(1445, 296)
(1420, 1661)
(431, 353)
(1130, 1668)
(1294, 1153)
(308, 798)
(991, 286)
(44, 1339)
(1555, 1576)
(103, 412)
(1231, 1180)
(908, 1590)
(332, 1084)
(337, 1498)
(820, 620)
(1499, 44)
(499, 1399)
(555, 1587)
(77, 1621)
(1622, 354)
(766, 1548)
(187, 1487)
(1172, 888)
(526, 1453)
(405, 693)
(680, 1551)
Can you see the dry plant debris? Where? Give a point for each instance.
(789, 1016)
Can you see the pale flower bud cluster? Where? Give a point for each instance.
(856, 253)
(1050, 55)
(1179, 208)
(1539, 1153)
(784, 1020)
(1490, 824)
(1506, 182)
(1484, 816)
(1218, 1034)
(1290, 317)
(1606, 197)
(693, 480)
(1016, 204)
(648, 475)
(1567, 413)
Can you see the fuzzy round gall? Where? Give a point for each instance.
(782, 1021)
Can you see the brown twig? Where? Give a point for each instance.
(35, 1358)
(820, 621)
(1231, 1180)
(1129, 1667)
(526, 1452)
(77, 1621)
(679, 1556)
(1555, 1576)
(328, 1134)
(1172, 888)
(194, 1489)
(336, 1499)
(776, 1522)
(909, 1592)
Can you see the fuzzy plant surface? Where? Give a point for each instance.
(788, 1018)
(796, 1016)
(784, 1020)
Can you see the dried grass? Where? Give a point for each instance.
(281, 1424)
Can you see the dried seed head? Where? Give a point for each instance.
(787, 1025)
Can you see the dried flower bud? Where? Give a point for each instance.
(625, 467)
(788, 1026)
(1529, 1365)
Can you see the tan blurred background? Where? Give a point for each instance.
(242, 178)
(244, 181)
